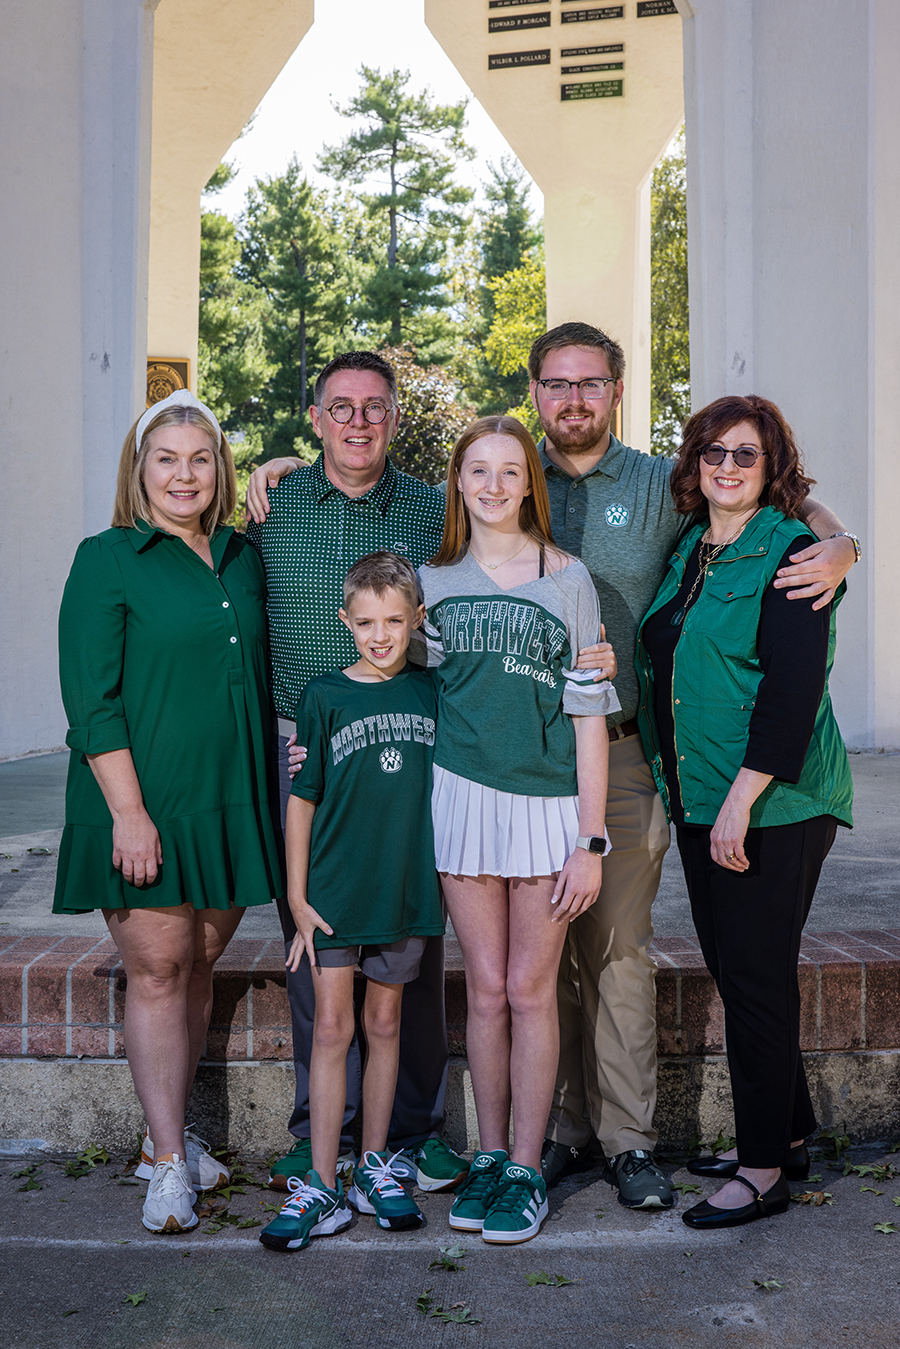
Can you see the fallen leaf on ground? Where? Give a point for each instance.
(768, 1285)
(815, 1198)
(887, 1229)
(551, 1280)
(135, 1298)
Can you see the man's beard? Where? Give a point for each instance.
(576, 440)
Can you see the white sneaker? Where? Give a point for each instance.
(169, 1206)
(207, 1173)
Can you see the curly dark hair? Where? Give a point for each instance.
(786, 486)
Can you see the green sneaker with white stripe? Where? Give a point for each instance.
(519, 1205)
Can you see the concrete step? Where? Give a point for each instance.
(62, 1001)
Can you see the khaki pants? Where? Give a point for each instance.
(606, 1084)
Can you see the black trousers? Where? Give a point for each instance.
(749, 926)
(424, 1058)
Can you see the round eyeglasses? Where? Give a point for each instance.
(587, 388)
(374, 413)
(745, 457)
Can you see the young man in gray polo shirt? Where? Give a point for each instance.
(611, 506)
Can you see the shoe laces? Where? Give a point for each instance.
(507, 1199)
(171, 1178)
(480, 1182)
(377, 1171)
(636, 1162)
(302, 1196)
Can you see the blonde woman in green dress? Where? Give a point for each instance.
(163, 667)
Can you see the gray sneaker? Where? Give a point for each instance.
(639, 1180)
(558, 1160)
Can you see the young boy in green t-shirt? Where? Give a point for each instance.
(361, 886)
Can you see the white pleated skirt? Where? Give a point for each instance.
(479, 831)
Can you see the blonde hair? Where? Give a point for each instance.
(378, 572)
(534, 513)
(132, 504)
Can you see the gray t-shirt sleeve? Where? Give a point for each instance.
(584, 698)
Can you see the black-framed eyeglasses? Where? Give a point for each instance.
(588, 388)
(745, 457)
(342, 413)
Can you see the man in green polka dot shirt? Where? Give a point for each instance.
(310, 528)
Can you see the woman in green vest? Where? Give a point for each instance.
(738, 726)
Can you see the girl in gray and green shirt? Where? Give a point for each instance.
(519, 795)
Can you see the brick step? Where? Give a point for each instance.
(64, 998)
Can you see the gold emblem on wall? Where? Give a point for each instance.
(166, 375)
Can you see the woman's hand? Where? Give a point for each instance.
(577, 885)
(137, 851)
(296, 755)
(261, 479)
(307, 921)
(601, 658)
(726, 839)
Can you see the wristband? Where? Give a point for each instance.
(845, 534)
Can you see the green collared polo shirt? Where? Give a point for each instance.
(310, 539)
(619, 519)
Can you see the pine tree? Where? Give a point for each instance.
(408, 147)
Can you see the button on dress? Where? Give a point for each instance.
(167, 657)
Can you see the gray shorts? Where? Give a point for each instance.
(391, 963)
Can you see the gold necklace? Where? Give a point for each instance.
(493, 566)
(704, 560)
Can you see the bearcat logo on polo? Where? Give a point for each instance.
(617, 515)
(528, 637)
(381, 729)
(391, 760)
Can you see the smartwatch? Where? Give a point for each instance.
(598, 846)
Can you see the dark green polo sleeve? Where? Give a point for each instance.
(92, 649)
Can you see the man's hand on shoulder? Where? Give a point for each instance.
(261, 479)
(818, 569)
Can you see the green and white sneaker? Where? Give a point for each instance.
(311, 1211)
(474, 1198)
(519, 1205)
(432, 1165)
(298, 1163)
(377, 1191)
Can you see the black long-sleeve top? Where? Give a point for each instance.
(792, 643)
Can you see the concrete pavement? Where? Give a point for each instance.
(74, 1250)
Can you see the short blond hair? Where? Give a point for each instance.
(132, 504)
(378, 572)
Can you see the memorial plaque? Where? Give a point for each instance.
(165, 376)
(509, 60)
(592, 51)
(591, 89)
(597, 65)
(649, 9)
(514, 4)
(519, 21)
(593, 15)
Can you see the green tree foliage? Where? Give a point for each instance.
(506, 236)
(520, 316)
(434, 412)
(407, 149)
(232, 363)
(670, 400)
(295, 258)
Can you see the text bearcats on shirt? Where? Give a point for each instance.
(381, 730)
(514, 628)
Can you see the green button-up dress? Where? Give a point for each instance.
(162, 655)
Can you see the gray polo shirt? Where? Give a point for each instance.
(619, 519)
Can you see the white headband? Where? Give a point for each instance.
(181, 398)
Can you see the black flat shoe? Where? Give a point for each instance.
(725, 1168)
(706, 1216)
